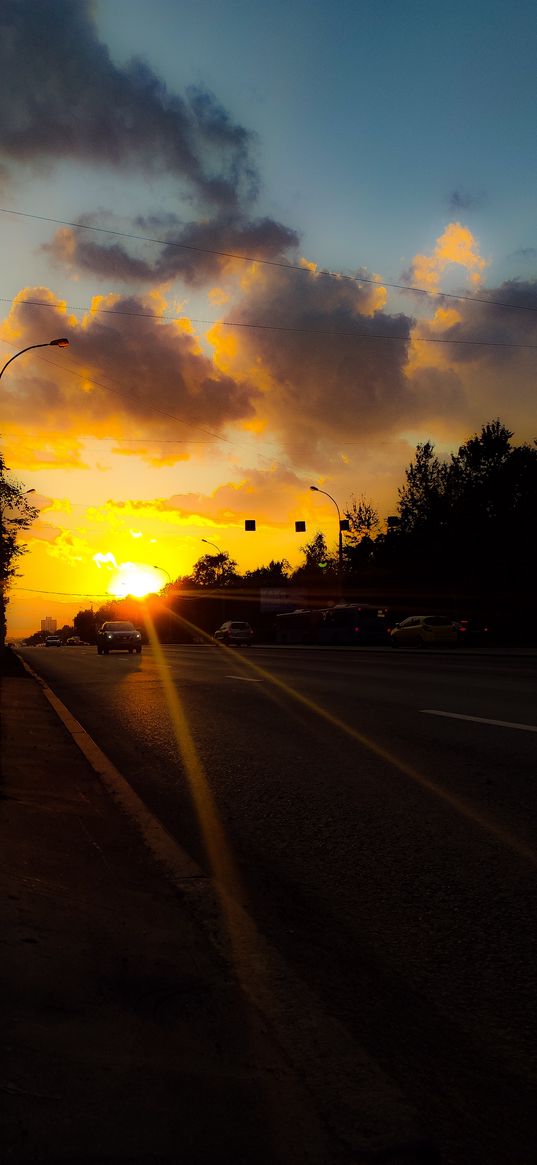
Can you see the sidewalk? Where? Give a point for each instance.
(125, 1036)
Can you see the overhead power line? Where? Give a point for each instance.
(285, 265)
(326, 332)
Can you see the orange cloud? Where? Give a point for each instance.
(127, 371)
(455, 245)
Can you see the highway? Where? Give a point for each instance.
(380, 809)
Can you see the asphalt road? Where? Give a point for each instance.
(383, 826)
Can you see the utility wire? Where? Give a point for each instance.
(335, 333)
(267, 262)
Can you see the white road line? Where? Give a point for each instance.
(245, 679)
(481, 720)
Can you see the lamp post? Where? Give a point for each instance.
(61, 343)
(163, 569)
(217, 548)
(221, 571)
(340, 535)
(213, 544)
(170, 620)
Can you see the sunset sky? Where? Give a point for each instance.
(250, 180)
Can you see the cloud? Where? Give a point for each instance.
(457, 245)
(105, 560)
(463, 200)
(192, 252)
(491, 356)
(132, 374)
(62, 97)
(330, 363)
(270, 493)
(526, 253)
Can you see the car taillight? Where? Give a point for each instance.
(356, 628)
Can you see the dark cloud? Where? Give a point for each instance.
(497, 316)
(526, 253)
(463, 200)
(149, 372)
(193, 252)
(61, 96)
(334, 360)
(491, 356)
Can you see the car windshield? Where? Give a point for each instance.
(240, 626)
(119, 627)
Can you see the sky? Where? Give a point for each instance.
(286, 242)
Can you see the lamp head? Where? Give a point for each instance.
(63, 342)
(315, 487)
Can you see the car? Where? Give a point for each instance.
(75, 641)
(424, 631)
(53, 641)
(472, 632)
(234, 633)
(119, 635)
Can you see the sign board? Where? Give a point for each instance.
(300, 527)
(249, 524)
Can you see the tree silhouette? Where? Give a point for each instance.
(16, 515)
(215, 570)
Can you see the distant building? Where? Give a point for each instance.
(49, 625)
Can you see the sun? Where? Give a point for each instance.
(135, 579)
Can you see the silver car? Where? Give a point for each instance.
(424, 631)
(235, 633)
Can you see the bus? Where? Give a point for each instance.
(301, 626)
(343, 625)
(354, 623)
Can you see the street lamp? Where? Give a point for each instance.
(61, 343)
(163, 569)
(212, 544)
(340, 535)
(170, 614)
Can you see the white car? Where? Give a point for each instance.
(424, 631)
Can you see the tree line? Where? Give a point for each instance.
(461, 541)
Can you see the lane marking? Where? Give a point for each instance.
(320, 1052)
(245, 679)
(481, 720)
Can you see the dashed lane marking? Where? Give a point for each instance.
(481, 720)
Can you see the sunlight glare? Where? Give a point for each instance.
(137, 579)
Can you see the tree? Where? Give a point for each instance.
(363, 520)
(215, 570)
(318, 563)
(84, 623)
(16, 515)
(422, 499)
(276, 574)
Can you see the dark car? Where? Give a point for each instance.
(118, 636)
(53, 641)
(235, 633)
(472, 632)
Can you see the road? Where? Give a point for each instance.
(382, 823)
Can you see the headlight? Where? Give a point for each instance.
(138, 636)
(109, 636)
